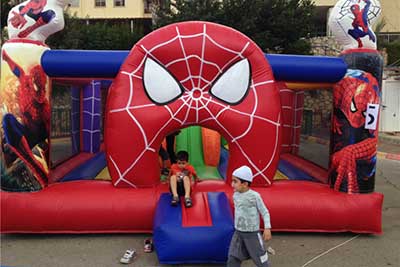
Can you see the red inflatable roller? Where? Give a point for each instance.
(98, 207)
(314, 207)
(79, 207)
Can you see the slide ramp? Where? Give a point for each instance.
(200, 234)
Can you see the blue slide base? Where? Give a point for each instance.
(175, 244)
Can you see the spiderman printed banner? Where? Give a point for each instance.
(355, 124)
(25, 117)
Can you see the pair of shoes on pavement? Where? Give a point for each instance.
(130, 254)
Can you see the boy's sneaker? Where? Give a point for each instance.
(188, 202)
(175, 201)
(128, 256)
(148, 245)
(271, 251)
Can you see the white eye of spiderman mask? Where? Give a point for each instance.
(233, 85)
(161, 87)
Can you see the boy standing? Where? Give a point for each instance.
(246, 241)
(180, 179)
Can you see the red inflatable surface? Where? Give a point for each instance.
(95, 206)
(192, 73)
(292, 114)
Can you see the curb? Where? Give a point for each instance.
(384, 155)
(379, 154)
(389, 139)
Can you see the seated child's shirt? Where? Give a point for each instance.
(180, 173)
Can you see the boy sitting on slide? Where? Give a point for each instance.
(180, 178)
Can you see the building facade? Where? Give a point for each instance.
(136, 13)
(110, 9)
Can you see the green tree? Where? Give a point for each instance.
(285, 25)
(184, 10)
(280, 26)
(5, 8)
(99, 35)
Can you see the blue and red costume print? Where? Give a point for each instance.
(360, 23)
(34, 107)
(354, 147)
(34, 10)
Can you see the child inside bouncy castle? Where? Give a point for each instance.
(169, 153)
(247, 242)
(180, 178)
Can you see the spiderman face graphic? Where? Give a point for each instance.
(33, 103)
(192, 73)
(354, 95)
(36, 82)
(355, 9)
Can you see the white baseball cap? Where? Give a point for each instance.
(243, 173)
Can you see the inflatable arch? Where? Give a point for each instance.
(181, 82)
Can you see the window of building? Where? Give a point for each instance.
(99, 3)
(74, 3)
(147, 5)
(119, 3)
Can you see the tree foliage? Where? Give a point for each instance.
(5, 8)
(100, 35)
(275, 25)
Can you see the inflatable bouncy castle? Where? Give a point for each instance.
(234, 106)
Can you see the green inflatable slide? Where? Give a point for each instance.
(190, 140)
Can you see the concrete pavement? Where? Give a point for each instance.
(292, 249)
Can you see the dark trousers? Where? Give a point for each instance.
(246, 245)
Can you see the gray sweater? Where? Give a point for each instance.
(248, 206)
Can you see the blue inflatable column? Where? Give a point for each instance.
(91, 117)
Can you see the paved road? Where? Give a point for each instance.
(293, 249)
